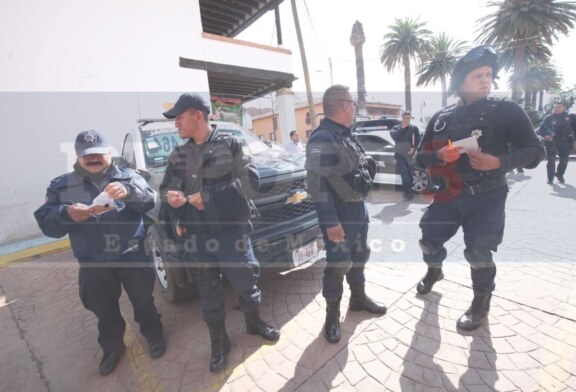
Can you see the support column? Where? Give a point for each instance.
(287, 117)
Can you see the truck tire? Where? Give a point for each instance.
(420, 181)
(166, 276)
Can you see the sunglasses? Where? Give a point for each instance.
(479, 52)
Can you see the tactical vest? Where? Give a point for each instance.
(459, 122)
(353, 175)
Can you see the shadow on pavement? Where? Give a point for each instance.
(419, 364)
(481, 362)
(564, 190)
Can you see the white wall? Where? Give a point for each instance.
(71, 65)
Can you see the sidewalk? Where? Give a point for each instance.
(529, 344)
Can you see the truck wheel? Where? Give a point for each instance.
(420, 181)
(166, 276)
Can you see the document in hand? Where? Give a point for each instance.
(103, 200)
(470, 144)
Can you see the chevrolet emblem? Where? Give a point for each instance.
(296, 197)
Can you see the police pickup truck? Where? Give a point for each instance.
(286, 232)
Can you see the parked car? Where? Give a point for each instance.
(286, 231)
(380, 146)
(383, 124)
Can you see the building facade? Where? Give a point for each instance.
(73, 65)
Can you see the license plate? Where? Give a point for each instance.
(305, 253)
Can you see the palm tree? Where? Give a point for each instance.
(442, 55)
(407, 39)
(523, 25)
(357, 39)
(537, 79)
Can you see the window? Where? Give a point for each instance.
(128, 151)
(374, 143)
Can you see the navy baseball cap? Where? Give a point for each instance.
(91, 142)
(188, 101)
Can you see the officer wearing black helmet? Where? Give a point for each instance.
(468, 148)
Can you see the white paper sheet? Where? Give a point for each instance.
(468, 144)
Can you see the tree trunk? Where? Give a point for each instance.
(444, 90)
(519, 70)
(361, 79)
(540, 99)
(407, 83)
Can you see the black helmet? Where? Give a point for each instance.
(476, 57)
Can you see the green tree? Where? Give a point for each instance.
(407, 39)
(523, 25)
(442, 54)
(540, 78)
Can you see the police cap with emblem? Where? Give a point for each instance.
(185, 102)
(475, 58)
(91, 142)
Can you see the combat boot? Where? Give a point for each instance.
(256, 326)
(432, 276)
(476, 314)
(360, 301)
(332, 325)
(220, 345)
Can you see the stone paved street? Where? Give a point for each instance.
(49, 339)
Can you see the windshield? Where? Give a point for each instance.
(255, 145)
(159, 143)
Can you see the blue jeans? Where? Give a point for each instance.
(406, 171)
(227, 253)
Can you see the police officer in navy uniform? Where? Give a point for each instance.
(471, 187)
(556, 129)
(207, 185)
(339, 178)
(106, 238)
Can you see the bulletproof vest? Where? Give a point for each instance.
(561, 126)
(352, 176)
(459, 122)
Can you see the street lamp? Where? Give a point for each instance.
(423, 103)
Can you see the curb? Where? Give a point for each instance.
(34, 252)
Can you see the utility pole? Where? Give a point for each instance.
(304, 66)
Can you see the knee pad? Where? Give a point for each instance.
(432, 253)
(339, 269)
(362, 256)
(479, 258)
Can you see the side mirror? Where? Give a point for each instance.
(120, 161)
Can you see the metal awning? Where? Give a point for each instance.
(240, 82)
(230, 17)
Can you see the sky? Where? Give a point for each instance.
(326, 26)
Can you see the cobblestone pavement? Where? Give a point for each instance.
(49, 339)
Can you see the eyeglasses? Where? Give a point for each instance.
(351, 101)
(478, 52)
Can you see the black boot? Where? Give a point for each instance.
(332, 325)
(360, 301)
(476, 314)
(432, 276)
(255, 326)
(220, 345)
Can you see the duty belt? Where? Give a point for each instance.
(484, 186)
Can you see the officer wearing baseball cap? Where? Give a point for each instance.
(206, 186)
(106, 234)
(187, 101)
(470, 183)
